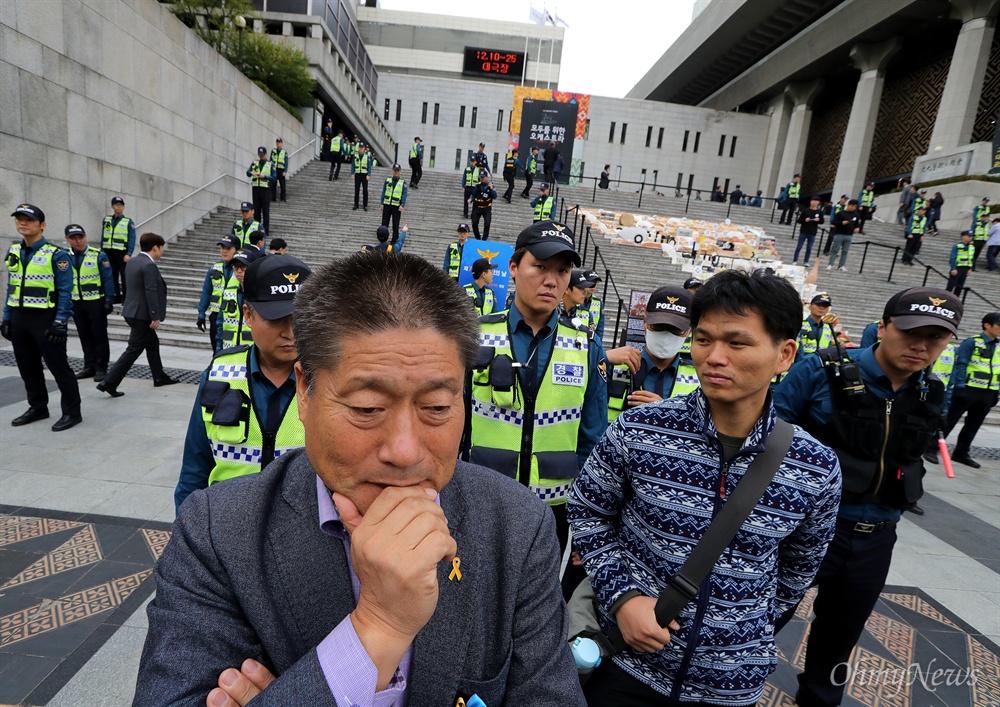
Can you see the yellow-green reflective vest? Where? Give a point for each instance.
(414, 150)
(243, 231)
(793, 190)
(115, 237)
(532, 439)
(532, 164)
(87, 279)
(354, 149)
(454, 260)
(983, 372)
(867, 197)
(965, 256)
(621, 384)
(471, 176)
(543, 212)
(945, 363)
(279, 158)
(392, 194)
(982, 231)
(218, 274)
(361, 163)
(489, 300)
(917, 224)
(243, 448)
(595, 310)
(265, 173)
(809, 345)
(31, 284)
(919, 202)
(336, 144)
(235, 331)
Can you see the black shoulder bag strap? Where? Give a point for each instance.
(683, 586)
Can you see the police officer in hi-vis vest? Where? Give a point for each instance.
(335, 153)
(118, 242)
(262, 176)
(663, 367)
(416, 162)
(93, 301)
(361, 168)
(543, 204)
(279, 158)
(245, 412)
(393, 201)
(233, 329)
(216, 280)
(817, 332)
(484, 299)
(470, 178)
(530, 167)
(38, 305)
(792, 191)
(866, 204)
(453, 255)
(245, 225)
(538, 393)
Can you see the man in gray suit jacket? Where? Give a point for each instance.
(144, 308)
(370, 565)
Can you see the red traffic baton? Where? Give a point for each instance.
(949, 470)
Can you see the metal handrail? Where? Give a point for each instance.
(292, 154)
(965, 290)
(183, 198)
(864, 256)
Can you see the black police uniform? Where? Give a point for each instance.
(482, 208)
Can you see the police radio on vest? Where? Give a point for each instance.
(931, 309)
(284, 289)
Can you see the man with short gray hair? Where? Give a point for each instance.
(370, 567)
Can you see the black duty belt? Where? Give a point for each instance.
(858, 526)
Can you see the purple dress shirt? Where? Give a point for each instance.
(349, 671)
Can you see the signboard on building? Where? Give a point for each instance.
(548, 123)
(495, 63)
(954, 165)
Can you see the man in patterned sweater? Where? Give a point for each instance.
(653, 484)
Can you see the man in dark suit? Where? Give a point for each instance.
(144, 308)
(371, 562)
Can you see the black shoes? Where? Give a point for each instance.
(99, 374)
(113, 392)
(85, 373)
(33, 415)
(354, 209)
(916, 510)
(164, 381)
(65, 422)
(967, 460)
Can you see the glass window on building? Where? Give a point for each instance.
(732, 147)
(430, 164)
(659, 140)
(618, 175)
(472, 123)
(722, 145)
(387, 103)
(649, 135)
(496, 160)
(656, 175)
(684, 145)
(697, 139)
(642, 175)
(437, 112)
(458, 158)
(399, 109)
(624, 130)
(461, 117)
(680, 178)
(586, 130)
(583, 166)
(423, 114)
(611, 135)
(500, 121)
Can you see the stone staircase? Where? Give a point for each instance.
(319, 224)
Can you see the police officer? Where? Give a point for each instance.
(245, 413)
(510, 166)
(382, 240)
(481, 159)
(262, 176)
(530, 167)
(336, 154)
(663, 367)
(878, 409)
(453, 256)
(961, 260)
(915, 229)
(816, 333)
(416, 162)
(573, 299)
(543, 204)
(361, 167)
(470, 178)
(482, 205)
(692, 284)
(232, 329)
(483, 297)
(326, 138)
(39, 303)
(219, 276)
(792, 191)
(866, 204)
(279, 158)
(980, 234)
(118, 242)
(393, 200)
(539, 389)
(93, 301)
(979, 210)
(594, 304)
(977, 387)
(243, 227)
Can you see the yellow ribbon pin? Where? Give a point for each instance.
(455, 572)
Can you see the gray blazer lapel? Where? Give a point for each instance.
(313, 566)
(439, 649)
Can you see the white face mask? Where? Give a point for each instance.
(663, 345)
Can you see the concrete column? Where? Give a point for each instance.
(780, 109)
(960, 99)
(801, 96)
(871, 59)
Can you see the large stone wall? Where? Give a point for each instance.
(106, 97)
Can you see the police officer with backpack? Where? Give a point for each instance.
(878, 408)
